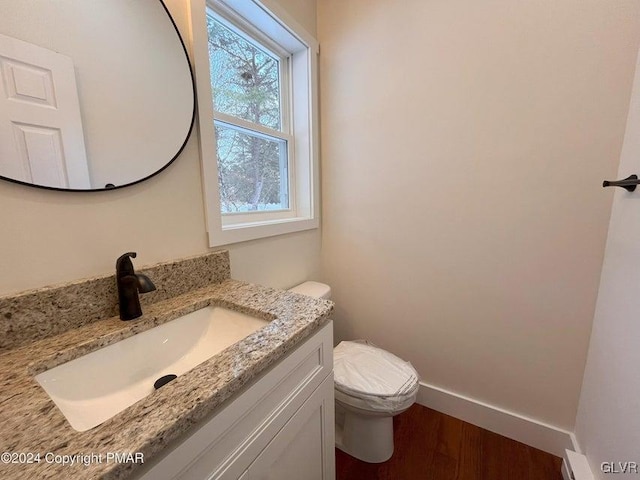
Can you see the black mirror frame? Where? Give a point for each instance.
(164, 167)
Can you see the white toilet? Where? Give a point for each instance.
(371, 387)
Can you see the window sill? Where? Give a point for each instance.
(251, 231)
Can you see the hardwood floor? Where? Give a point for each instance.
(433, 446)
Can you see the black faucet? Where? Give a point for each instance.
(129, 284)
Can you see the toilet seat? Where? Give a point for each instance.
(391, 407)
(372, 379)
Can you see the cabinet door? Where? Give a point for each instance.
(304, 448)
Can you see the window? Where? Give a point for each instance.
(255, 75)
(249, 84)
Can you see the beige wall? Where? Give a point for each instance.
(50, 237)
(463, 148)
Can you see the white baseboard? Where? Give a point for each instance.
(495, 419)
(575, 467)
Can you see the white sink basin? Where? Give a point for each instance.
(97, 386)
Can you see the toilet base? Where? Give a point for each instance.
(365, 437)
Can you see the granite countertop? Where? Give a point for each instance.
(31, 423)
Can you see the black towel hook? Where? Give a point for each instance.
(629, 183)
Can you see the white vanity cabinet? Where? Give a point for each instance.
(279, 427)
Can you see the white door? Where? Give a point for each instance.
(608, 422)
(41, 137)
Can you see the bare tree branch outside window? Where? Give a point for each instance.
(245, 81)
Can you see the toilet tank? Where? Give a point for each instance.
(313, 289)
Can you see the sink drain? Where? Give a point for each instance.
(162, 381)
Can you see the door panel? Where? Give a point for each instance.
(304, 448)
(39, 153)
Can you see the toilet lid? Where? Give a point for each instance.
(364, 370)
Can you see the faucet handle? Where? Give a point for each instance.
(124, 265)
(126, 256)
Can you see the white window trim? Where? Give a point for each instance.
(267, 17)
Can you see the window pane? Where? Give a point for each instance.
(252, 171)
(244, 78)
